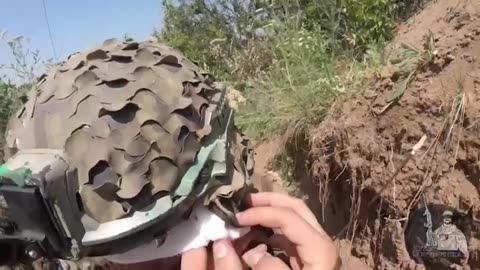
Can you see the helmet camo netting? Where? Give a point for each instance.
(131, 119)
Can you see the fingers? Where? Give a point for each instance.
(259, 259)
(281, 242)
(254, 255)
(281, 200)
(225, 257)
(251, 239)
(195, 259)
(313, 247)
(295, 228)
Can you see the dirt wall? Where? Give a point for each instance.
(357, 170)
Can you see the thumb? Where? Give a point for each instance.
(225, 257)
(259, 259)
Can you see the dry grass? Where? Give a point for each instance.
(455, 119)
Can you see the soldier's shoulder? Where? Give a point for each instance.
(456, 231)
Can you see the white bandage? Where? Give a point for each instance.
(202, 227)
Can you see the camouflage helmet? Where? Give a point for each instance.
(119, 142)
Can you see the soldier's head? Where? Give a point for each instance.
(447, 217)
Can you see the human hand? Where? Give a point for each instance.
(297, 232)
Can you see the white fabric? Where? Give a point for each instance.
(202, 227)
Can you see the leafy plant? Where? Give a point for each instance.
(11, 98)
(211, 32)
(430, 52)
(24, 62)
(23, 67)
(292, 58)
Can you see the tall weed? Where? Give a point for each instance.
(22, 69)
(300, 85)
(304, 78)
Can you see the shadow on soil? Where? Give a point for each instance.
(346, 206)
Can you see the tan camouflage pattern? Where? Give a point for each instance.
(129, 116)
(450, 238)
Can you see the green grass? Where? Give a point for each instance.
(307, 76)
(312, 52)
(23, 65)
(303, 81)
(10, 100)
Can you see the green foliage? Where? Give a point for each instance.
(301, 83)
(24, 61)
(190, 33)
(208, 32)
(351, 23)
(295, 89)
(429, 47)
(292, 58)
(11, 98)
(23, 66)
(357, 23)
(127, 38)
(371, 20)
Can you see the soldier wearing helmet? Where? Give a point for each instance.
(449, 238)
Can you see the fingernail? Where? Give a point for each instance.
(219, 250)
(253, 256)
(239, 215)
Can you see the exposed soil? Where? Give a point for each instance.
(352, 167)
(264, 178)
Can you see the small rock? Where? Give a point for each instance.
(446, 60)
(467, 57)
(449, 57)
(476, 214)
(465, 43)
(464, 203)
(462, 20)
(420, 267)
